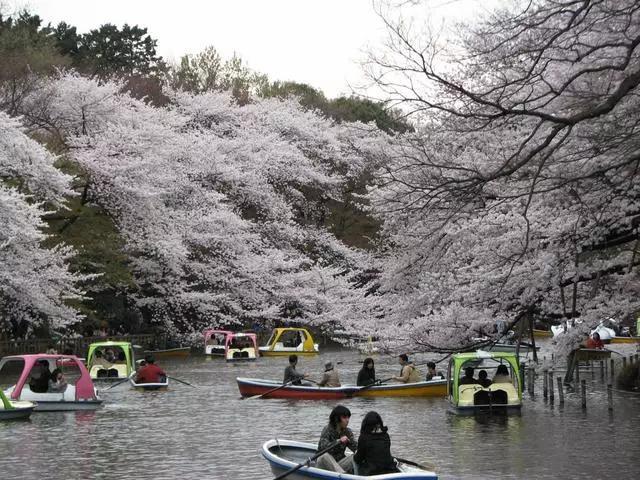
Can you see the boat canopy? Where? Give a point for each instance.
(83, 385)
(211, 332)
(126, 347)
(289, 337)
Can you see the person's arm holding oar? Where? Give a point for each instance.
(308, 461)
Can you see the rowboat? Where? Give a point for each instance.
(537, 333)
(79, 394)
(285, 341)
(625, 340)
(144, 387)
(252, 386)
(465, 398)
(169, 352)
(284, 455)
(10, 410)
(110, 361)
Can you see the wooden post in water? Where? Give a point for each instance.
(545, 384)
(610, 397)
(602, 370)
(551, 395)
(532, 380)
(593, 373)
(583, 388)
(624, 362)
(560, 390)
(577, 370)
(612, 363)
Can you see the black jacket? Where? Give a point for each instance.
(374, 454)
(366, 376)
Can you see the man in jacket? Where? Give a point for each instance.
(330, 376)
(150, 373)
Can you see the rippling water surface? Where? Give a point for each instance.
(209, 433)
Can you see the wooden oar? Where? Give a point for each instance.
(428, 467)
(120, 382)
(308, 461)
(268, 391)
(180, 381)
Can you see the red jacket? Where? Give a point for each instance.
(593, 343)
(150, 373)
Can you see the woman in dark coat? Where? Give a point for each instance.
(374, 448)
(367, 374)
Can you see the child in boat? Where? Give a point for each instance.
(374, 448)
(57, 383)
(367, 374)
(431, 371)
(408, 373)
(335, 459)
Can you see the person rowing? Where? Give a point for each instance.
(335, 459)
(291, 375)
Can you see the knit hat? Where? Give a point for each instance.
(328, 366)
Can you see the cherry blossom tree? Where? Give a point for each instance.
(519, 193)
(35, 282)
(220, 205)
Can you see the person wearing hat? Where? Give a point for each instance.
(150, 373)
(330, 376)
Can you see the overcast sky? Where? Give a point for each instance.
(313, 41)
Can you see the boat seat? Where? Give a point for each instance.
(497, 393)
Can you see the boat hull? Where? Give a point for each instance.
(170, 353)
(625, 340)
(434, 388)
(65, 406)
(149, 387)
(250, 386)
(281, 353)
(486, 409)
(284, 455)
(20, 410)
(542, 333)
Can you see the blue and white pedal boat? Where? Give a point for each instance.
(283, 455)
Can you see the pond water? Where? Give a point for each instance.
(208, 432)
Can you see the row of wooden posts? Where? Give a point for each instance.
(548, 380)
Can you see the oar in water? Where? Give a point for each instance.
(428, 466)
(181, 381)
(308, 461)
(269, 391)
(120, 382)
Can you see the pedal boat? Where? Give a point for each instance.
(10, 410)
(241, 347)
(80, 393)
(474, 398)
(285, 341)
(215, 342)
(252, 386)
(103, 370)
(283, 455)
(150, 387)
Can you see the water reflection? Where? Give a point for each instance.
(208, 432)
